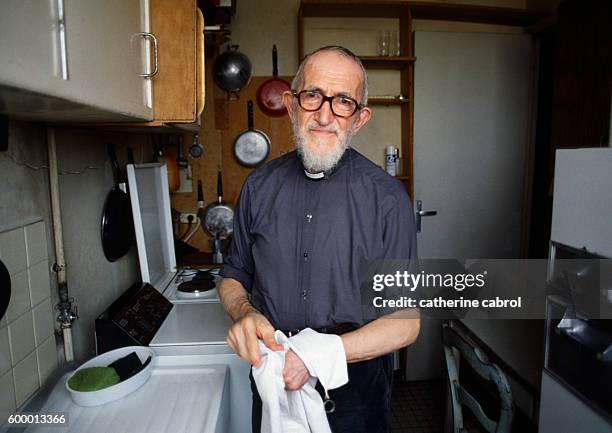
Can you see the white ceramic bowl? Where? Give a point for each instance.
(119, 390)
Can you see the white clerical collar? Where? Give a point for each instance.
(319, 175)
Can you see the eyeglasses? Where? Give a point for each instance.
(313, 100)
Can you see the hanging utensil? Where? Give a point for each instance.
(218, 221)
(252, 146)
(117, 221)
(5, 289)
(270, 93)
(232, 71)
(218, 215)
(174, 179)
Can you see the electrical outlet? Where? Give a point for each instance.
(185, 218)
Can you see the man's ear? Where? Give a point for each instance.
(364, 116)
(288, 103)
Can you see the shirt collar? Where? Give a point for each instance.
(327, 174)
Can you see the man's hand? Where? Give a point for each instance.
(243, 335)
(295, 373)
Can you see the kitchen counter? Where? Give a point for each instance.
(197, 323)
(183, 388)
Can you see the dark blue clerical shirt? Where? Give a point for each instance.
(300, 245)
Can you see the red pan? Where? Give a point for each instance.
(270, 93)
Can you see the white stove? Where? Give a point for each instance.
(150, 199)
(189, 286)
(194, 331)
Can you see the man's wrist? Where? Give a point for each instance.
(242, 308)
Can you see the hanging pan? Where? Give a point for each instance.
(219, 215)
(252, 146)
(270, 93)
(117, 220)
(5, 289)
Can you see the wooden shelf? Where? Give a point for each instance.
(475, 14)
(364, 9)
(387, 62)
(421, 10)
(386, 101)
(155, 126)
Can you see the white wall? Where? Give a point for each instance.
(92, 280)
(257, 25)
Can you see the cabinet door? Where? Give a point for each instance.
(174, 87)
(90, 72)
(105, 57)
(27, 45)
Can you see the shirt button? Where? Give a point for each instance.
(304, 294)
(305, 256)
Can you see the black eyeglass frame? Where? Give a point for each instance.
(358, 105)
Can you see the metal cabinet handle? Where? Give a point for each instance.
(62, 49)
(151, 37)
(422, 213)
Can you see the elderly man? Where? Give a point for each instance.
(306, 224)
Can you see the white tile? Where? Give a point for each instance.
(36, 243)
(47, 359)
(7, 396)
(20, 296)
(40, 286)
(21, 337)
(5, 351)
(12, 246)
(43, 321)
(25, 375)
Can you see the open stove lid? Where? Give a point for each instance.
(150, 198)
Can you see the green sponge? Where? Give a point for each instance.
(93, 379)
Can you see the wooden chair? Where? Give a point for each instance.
(458, 348)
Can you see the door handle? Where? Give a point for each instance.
(151, 37)
(422, 213)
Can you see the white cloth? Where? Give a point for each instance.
(299, 411)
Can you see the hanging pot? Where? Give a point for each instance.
(218, 215)
(232, 71)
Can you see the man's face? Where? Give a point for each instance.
(321, 136)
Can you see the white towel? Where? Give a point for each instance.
(299, 411)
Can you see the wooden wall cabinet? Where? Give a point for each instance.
(178, 87)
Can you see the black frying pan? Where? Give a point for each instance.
(5, 289)
(117, 222)
(252, 146)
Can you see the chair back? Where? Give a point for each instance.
(459, 348)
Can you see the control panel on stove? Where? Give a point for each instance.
(133, 319)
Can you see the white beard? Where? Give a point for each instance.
(315, 162)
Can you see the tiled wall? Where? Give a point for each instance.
(27, 343)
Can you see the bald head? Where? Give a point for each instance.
(312, 61)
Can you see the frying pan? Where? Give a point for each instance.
(252, 146)
(218, 215)
(270, 93)
(117, 222)
(5, 289)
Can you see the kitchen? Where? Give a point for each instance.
(94, 282)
